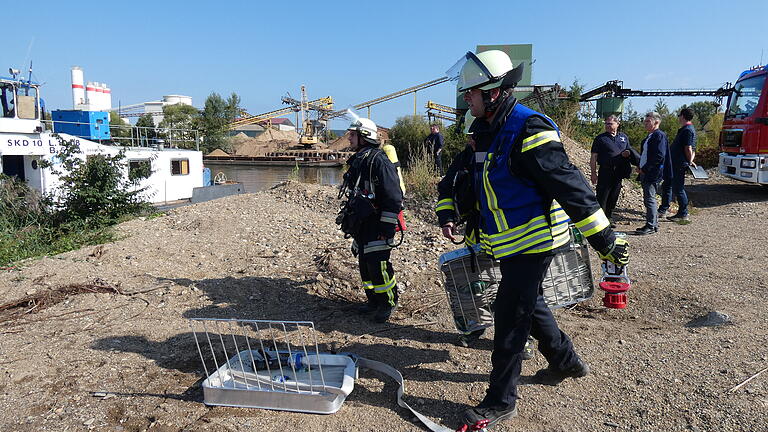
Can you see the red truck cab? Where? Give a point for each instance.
(744, 136)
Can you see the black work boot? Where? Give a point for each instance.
(553, 377)
(370, 305)
(529, 351)
(385, 307)
(483, 416)
(466, 340)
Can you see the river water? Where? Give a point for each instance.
(257, 178)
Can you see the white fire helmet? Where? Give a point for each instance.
(487, 70)
(364, 126)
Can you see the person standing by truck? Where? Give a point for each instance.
(682, 153)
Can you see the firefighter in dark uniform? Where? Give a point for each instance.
(457, 201)
(375, 199)
(529, 192)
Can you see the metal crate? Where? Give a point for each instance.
(471, 279)
(271, 365)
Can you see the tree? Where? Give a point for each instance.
(94, 190)
(145, 129)
(409, 132)
(703, 111)
(233, 107)
(661, 107)
(213, 122)
(119, 129)
(185, 119)
(215, 119)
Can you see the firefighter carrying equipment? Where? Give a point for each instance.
(525, 177)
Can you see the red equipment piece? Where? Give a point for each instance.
(480, 425)
(615, 283)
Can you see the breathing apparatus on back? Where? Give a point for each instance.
(360, 198)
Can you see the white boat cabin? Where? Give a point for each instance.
(26, 140)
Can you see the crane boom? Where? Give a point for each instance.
(397, 94)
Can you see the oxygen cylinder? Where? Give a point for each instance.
(391, 153)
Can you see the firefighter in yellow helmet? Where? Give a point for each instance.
(369, 215)
(528, 193)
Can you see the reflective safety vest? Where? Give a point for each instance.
(515, 217)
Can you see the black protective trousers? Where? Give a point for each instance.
(608, 190)
(520, 310)
(378, 276)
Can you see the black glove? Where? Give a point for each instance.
(617, 253)
(387, 230)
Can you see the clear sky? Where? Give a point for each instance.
(356, 51)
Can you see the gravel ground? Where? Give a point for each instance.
(277, 255)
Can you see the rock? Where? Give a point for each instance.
(611, 424)
(89, 422)
(711, 319)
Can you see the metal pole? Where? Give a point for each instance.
(414, 104)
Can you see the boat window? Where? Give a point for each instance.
(139, 169)
(7, 100)
(180, 167)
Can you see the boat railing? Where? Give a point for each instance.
(129, 135)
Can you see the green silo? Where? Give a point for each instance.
(609, 105)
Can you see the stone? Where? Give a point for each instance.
(711, 319)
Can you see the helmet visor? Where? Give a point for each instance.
(352, 117)
(470, 72)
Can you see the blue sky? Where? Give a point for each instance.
(356, 51)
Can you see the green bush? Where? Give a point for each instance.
(94, 189)
(93, 195)
(420, 177)
(409, 132)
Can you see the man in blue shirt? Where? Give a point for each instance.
(682, 152)
(610, 150)
(653, 158)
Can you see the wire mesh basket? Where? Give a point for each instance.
(270, 364)
(471, 280)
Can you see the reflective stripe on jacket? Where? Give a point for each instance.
(516, 217)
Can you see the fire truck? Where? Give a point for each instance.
(744, 136)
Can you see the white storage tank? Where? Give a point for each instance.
(90, 93)
(177, 99)
(78, 87)
(107, 98)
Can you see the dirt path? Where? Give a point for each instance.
(259, 256)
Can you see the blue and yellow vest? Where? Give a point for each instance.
(515, 217)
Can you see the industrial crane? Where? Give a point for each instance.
(251, 119)
(616, 88)
(378, 100)
(444, 112)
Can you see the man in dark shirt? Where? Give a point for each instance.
(682, 150)
(651, 169)
(610, 150)
(435, 139)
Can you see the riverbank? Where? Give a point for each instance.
(277, 254)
